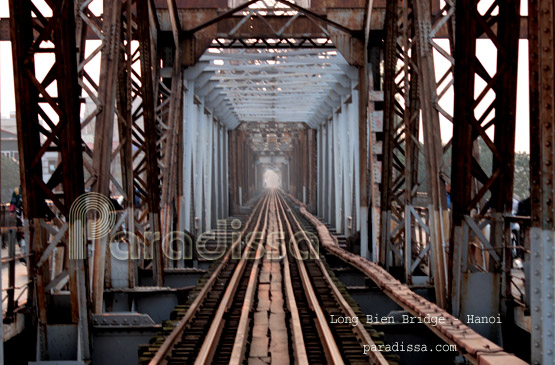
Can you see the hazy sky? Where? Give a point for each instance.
(485, 51)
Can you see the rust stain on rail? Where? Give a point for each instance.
(476, 348)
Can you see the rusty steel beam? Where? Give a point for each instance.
(401, 125)
(103, 136)
(62, 133)
(412, 103)
(260, 30)
(127, 135)
(489, 194)
(170, 165)
(150, 129)
(542, 159)
(433, 150)
(174, 20)
(139, 135)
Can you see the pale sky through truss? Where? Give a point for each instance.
(485, 53)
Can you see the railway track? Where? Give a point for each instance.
(270, 299)
(475, 348)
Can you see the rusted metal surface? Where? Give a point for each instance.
(102, 157)
(170, 164)
(332, 351)
(269, 26)
(150, 132)
(542, 158)
(174, 21)
(62, 130)
(330, 4)
(430, 94)
(144, 32)
(296, 328)
(212, 338)
(193, 4)
(476, 190)
(409, 90)
(477, 349)
(162, 354)
(376, 357)
(186, 11)
(541, 114)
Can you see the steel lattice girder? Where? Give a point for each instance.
(274, 81)
(39, 130)
(410, 90)
(475, 190)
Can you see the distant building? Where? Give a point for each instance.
(8, 144)
(9, 147)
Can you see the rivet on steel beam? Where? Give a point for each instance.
(537, 273)
(536, 291)
(536, 327)
(550, 352)
(537, 344)
(549, 333)
(536, 309)
(549, 315)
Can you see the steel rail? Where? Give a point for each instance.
(330, 346)
(375, 357)
(473, 346)
(242, 333)
(161, 356)
(298, 339)
(241, 338)
(210, 343)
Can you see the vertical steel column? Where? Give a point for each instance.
(170, 165)
(304, 155)
(232, 161)
(104, 126)
(410, 88)
(313, 168)
(61, 131)
(400, 147)
(151, 150)
(433, 150)
(494, 196)
(363, 143)
(125, 118)
(331, 171)
(542, 153)
(188, 155)
(138, 126)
